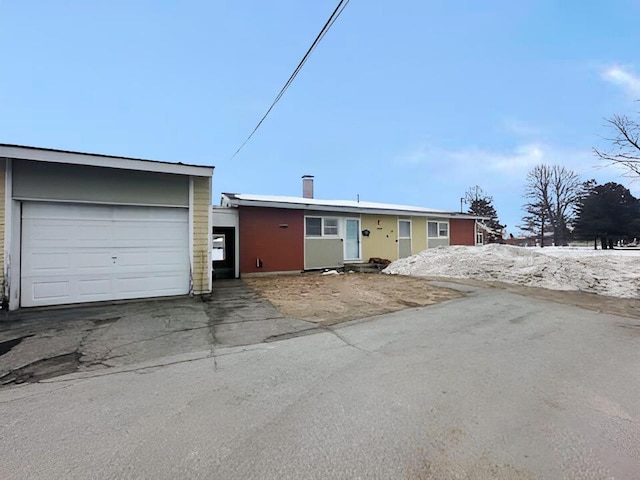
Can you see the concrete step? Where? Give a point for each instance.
(363, 267)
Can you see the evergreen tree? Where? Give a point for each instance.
(481, 204)
(608, 212)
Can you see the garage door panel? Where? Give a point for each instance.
(89, 261)
(140, 286)
(51, 290)
(100, 286)
(157, 261)
(82, 253)
(48, 262)
(168, 234)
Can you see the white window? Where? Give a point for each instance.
(404, 229)
(330, 227)
(313, 226)
(321, 226)
(438, 229)
(479, 238)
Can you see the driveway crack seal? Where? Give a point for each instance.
(341, 337)
(138, 370)
(212, 333)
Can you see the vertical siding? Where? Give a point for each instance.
(273, 235)
(382, 241)
(418, 234)
(462, 231)
(201, 233)
(3, 167)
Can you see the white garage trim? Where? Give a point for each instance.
(8, 184)
(74, 253)
(191, 234)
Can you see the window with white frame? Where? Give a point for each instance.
(329, 227)
(321, 226)
(404, 228)
(313, 226)
(437, 229)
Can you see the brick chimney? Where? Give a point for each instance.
(307, 186)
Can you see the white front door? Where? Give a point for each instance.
(352, 239)
(75, 253)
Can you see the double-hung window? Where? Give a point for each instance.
(330, 227)
(438, 229)
(321, 227)
(313, 226)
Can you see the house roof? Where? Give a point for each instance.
(346, 206)
(51, 155)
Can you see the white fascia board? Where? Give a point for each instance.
(338, 209)
(73, 158)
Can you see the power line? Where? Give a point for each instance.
(327, 26)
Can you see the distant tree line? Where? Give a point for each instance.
(608, 213)
(560, 208)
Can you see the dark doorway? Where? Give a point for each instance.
(224, 252)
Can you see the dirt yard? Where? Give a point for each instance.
(331, 299)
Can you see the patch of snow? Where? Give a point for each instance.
(606, 272)
(330, 272)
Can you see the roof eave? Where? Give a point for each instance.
(238, 202)
(95, 160)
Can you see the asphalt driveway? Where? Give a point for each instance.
(493, 385)
(40, 344)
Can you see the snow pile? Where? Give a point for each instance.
(610, 272)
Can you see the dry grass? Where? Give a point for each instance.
(330, 299)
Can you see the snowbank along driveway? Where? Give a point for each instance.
(609, 272)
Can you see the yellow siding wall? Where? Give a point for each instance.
(201, 234)
(382, 240)
(418, 234)
(384, 233)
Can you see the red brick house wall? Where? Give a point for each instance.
(463, 232)
(273, 235)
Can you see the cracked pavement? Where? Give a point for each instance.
(42, 344)
(492, 385)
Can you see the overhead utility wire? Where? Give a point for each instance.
(327, 26)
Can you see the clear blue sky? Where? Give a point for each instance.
(406, 102)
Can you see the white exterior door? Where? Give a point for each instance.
(75, 253)
(352, 239)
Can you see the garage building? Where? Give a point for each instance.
(80, 227)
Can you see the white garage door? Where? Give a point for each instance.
(75, 253)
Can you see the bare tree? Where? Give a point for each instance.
(552, 192)
(566, 188)
(625, 145)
